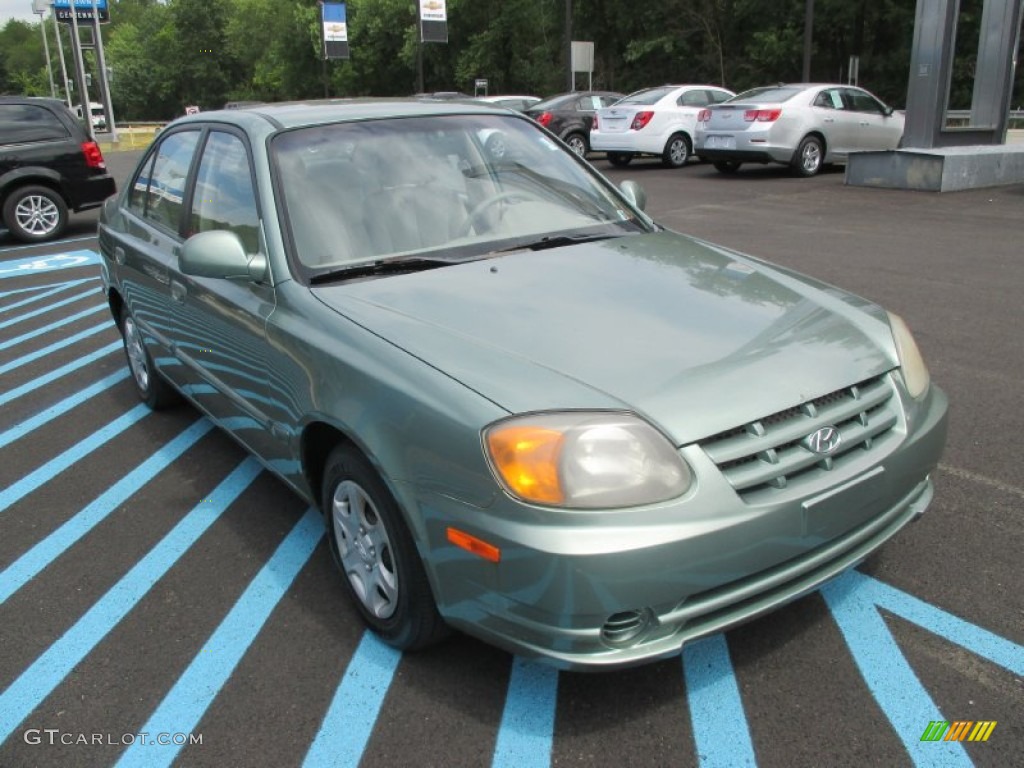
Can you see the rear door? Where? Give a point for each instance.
(837, 124)
(145, 248)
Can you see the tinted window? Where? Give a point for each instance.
(771, 95)
(166, 192)
(830, 99)
(864, 102)
(20, 123)
(650, 96)
(140, 187)
(693, 99)
(717, 97)
(224, 196)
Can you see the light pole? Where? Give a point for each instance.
(39, 7)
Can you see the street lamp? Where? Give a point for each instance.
(40, 7)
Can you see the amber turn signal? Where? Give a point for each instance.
(472, 544)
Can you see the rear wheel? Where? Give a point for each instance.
(577, 143)
(620, 159)
(151, 387)
(677, 151)
(35, 213)
(374, 550)
(809, 157)
(727, 166)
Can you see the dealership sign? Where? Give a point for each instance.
(433, 21)
(334, 30)
(83, 9)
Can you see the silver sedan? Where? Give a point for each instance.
(800, 125)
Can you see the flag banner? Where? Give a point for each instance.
(433, 21)
(335, 31)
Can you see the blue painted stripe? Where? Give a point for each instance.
(38, 477)
(18, 431)
(349, 721)
(528, 722)
(52, 326)
(53, 290)
(44, 674)
(48, 244)
(56, 346)
(33, 288)
(198, 686)
(64, 370)
(720, 730)
(886, 671)
(50, 306)
(26, 567)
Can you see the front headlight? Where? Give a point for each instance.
(915, 372)
(585, 460)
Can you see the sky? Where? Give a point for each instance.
(18, 9)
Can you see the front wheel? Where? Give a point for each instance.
(374, 550)
(150, 386)
(809, 156)
(35, 213)
(620, 159)
(677, 151)
(577, 144)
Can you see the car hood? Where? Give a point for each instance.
(696, 338)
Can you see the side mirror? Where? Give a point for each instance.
(220, 253)
(888, 111)
(634, 193)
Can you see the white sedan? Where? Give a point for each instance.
(801, 125)
(658, 121)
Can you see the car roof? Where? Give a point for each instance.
(318, 112)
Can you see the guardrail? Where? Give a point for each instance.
(962, 117)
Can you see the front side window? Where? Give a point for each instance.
(864, 102)
(224, 197)
(164, 196)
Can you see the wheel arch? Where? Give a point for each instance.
(23, 177)
(115, 301)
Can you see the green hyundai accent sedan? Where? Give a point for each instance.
(526, 410)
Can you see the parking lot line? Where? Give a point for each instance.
(346, 728)
(49, 350)
(64, 370)
(30, 564)
(52, 326)
(48, 308)
(53, 290)
(57, 409)
(53, 665)
(190, 697)
(528, 721)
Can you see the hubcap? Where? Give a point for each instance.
(678, 152)
(364, 549)
(136, 354)
(811, 156)
(577, 145)
(37, 214)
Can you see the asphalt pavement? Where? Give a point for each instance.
(154, 581)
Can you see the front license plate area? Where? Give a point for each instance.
(843, 508)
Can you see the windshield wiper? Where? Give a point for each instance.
(381, 267)
(556, 241)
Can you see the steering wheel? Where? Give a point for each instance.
(483, 207)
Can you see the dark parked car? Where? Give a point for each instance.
(48, 166)
(570, 115)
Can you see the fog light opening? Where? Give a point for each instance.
(626, 627)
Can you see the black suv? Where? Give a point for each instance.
(48, 165)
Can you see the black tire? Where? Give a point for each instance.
(151, 387)
(677, 151)
(620, 159)
(374, 550)
(35, 213)
(727, 166)
(809, 157)
(577, 143)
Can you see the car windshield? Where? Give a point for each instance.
(768, 95)
(648, 96)
(451, 188)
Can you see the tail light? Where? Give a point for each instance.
(93, 156)
(762, 115)
(544, 118)
(641, 119)
(704, 116)
(593, 126)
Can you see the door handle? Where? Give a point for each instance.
(119, 256)
(828, 120)
(178, 291)
(865, 122)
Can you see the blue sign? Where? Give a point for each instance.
(83, 9)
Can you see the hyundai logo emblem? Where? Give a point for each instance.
(824, 441)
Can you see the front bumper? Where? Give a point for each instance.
(618, 588)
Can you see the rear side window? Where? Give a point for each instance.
(25, 123)
(697, 98)
(158, 191)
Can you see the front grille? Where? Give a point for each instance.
(768, 455)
